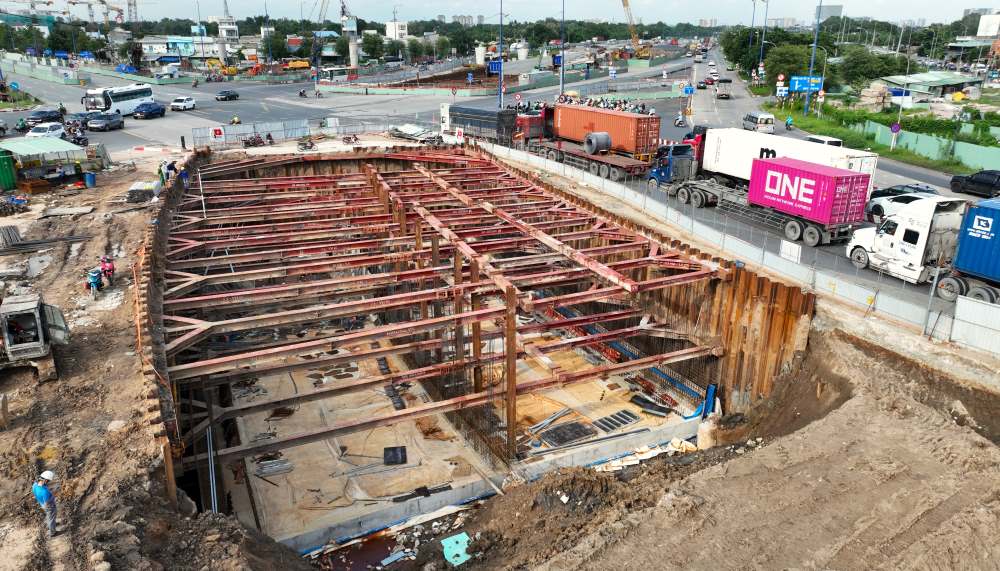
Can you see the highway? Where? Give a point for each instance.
(261, 102)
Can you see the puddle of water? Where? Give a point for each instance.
(37, 264)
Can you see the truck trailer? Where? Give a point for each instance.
(937, 234)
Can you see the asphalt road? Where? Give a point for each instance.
(260, 102)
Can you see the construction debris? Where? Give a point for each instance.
(66, 211)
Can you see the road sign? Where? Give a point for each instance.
(460, 134)
(805, 83)
(895, 128)
(781, 77)
(688, 90)
(820, 96)
(517, 97)
(218, 134)
(468, 78)
(779, 83)
(780, 91)
(14, 85)
(612, 73)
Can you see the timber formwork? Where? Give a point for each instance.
(445, 258)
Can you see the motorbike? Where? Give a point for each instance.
(306, 145)
(80, 140)
(302, 93)
(235, 121)
(269, 139)
(94, 282)
(679, 122)
(22, 128)
(108, 270)
(788, 126)
(351, 140)
(194, 83)
(253, 141)
(319, 95)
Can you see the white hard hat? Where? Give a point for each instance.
(47, 475)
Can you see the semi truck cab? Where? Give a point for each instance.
(911, 244)
(672, 164)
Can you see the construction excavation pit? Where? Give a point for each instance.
(357, 338)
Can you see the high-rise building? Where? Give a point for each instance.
(708, 22)
(782, 22)
(975, 11)
(441, 18)
(829, 11)
(480, 20)
(464, 20)
(396, 30)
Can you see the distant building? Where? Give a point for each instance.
(782, 22)
(708, 22)
(294, 43)
(441, 18)
(863, 19)
(119, 36)
(266, 31)
(975, 11)
(228, 30)
(829, 11)
(463, 20)
(480, 20)
(396, 30)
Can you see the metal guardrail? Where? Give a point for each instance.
(232, 135)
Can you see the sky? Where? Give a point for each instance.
(669, 11)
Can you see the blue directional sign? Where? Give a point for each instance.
(14, 86)
(781, 91)
(495, 66)
(801, 83)
(688, 90)
(468, 77)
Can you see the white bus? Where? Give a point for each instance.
(338, 74)
(122, 99)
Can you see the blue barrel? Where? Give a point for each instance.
(90, 179)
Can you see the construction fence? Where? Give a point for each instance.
(234, 135)
(937, 148)
(828, 271)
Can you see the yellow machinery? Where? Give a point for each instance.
(641, 51)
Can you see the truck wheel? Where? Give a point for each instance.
(683, 195)
(950, 288)
(652, 185)
(698, 199)
(793, 230)
(605, 171)
(984, 293)
(552, 155)
(595, 169)
(859, 257)
(615, 174)
(812, 236)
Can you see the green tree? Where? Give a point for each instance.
(276, 47)
(343, 48)
(789, 60)
(395, 48)
(373, 45)
(443, 47)
(414, 49)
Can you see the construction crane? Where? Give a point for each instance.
(32, 4)
(640, 50)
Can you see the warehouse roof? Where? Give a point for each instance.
(25, 146)
(933, 79)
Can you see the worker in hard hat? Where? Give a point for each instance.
(46, 499)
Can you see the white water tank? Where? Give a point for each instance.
(522, 53)
(481, 55)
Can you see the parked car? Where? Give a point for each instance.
(149, 110)
(983, 183)
(182, 103)
(878, 207)
(227, 95)
(43, 116)
(729, 67)
(47, 130)
(80, 118)
(106, 122)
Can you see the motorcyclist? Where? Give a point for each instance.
(62, 108)
(235, 120)
(22, 125)
(108, 269)
(194, 83)
(788, 123)
(270, 139)
(302, 93)
(318, 94)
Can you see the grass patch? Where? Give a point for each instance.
(990, 97)
(761, 90)
(858, 140)
(16, 99)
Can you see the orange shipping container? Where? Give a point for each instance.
(631, 133)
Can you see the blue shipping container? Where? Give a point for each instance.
(979, 243)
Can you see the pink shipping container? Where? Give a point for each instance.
(826, 195)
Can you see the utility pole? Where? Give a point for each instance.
(906, 85)
(562, 49)
(900, 42)
(753, 17)
(812, 58)
(764, 34)
(500, 55)
(201, 31)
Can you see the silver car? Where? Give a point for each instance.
(106, 122)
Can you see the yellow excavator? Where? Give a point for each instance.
(640, 50)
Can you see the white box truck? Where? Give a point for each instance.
(727, 155)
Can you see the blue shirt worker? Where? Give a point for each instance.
(46, 499)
